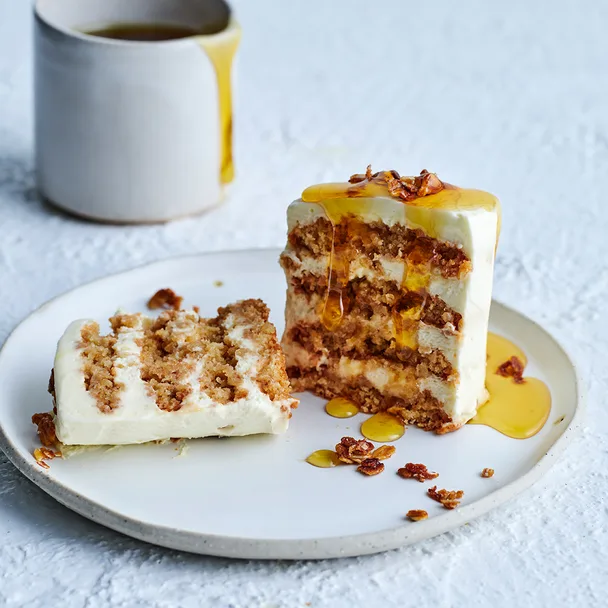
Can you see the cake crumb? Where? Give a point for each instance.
(218, 283)
(181, 448)
(417, 514)
(416, 471)
(487, 473)
(46, 429)
(450, 499)
(165, 298)
(371, 466)
(512, 368)
(354, 451)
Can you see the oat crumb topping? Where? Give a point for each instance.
(384, 452)
(46, 429)
(405, 188)
(41, 455)
(417, 514)
(371, 466)
(512, 368)
(487, 473)
(450, 499)
(354, 451)
(363, 453)
(416, 471)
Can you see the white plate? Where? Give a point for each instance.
(255, 497)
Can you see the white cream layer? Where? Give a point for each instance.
(475, 231)
(137, 419)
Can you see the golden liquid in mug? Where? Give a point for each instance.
(144, 32)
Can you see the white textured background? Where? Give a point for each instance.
(509, 96)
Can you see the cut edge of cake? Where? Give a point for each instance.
(175, 376)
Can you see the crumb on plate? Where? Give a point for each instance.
(512, 368)
(450, 499)
(371, 466)
(417, 514)
(165, 298)
(416, 471)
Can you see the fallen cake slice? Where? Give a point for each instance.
(175, 376)
(389, 291)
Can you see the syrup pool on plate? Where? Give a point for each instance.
(518, 410)
(382, 427)
(341, 408)
(323, 459)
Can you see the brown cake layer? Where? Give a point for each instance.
(172, 345)
(98, 367)
(364, 299)
(355, 340)
(167, 362)
(420, 409)
(376, 238)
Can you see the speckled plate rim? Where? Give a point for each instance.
(319, 548)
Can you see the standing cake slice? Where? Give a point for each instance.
(175, 376)
(389, 292)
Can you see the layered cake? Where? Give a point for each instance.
(178, 375)
(389, 290)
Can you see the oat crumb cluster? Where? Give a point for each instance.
(363, 453)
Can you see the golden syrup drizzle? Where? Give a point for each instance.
(324, 459)
(221, 48)
(341, 408)
(382, 427)
(516, 410)
(343, 200)
(416, 278)
(339, 266)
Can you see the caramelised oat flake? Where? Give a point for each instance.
(46, 429)
(354, 451)
(512, 368)
(361, 177)
(410, 188)
(165, 298)
(384, 452)
(406, 188)
(417, 514)
(487, 473)
(371, 466)
(41, 455)
(450, 499)
(416, 471)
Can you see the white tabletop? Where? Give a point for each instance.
(508, 97)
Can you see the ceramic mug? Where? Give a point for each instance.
(132, 131)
